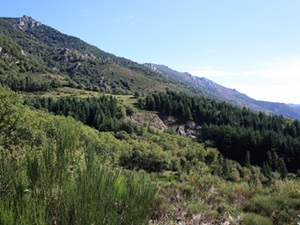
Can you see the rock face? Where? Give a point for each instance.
(152, 67)
(190, 129)
(27, 22)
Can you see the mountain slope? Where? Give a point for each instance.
(81, 62)
(216, 91)
(43, 52)
(296, 106)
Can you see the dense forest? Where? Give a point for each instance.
(272, 142)
(102, 113)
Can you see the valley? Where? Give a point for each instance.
(87, 137)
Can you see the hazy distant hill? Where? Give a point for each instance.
(216, 91)
(296, 106)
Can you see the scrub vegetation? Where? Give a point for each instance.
(90, 138)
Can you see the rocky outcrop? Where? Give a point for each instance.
(190, 129)
(27, 22)
(23, 52)
(152, 67)
(72, 54)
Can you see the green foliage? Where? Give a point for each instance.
(237, 133)
(234, 175)
(197, 207)
(211, 155)
(53, 169)
(16, 66)
(11, 107)
(150, 158)
(55, 173)
(25, 83)
(10, 116)
(62, 195)
(102, 113)
(275, 207)
(129, 111)
(254, 219)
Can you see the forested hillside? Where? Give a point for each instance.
(268, 141)
(65, 167)
(90, 138)
(81, 64)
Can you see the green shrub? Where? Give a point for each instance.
(151, 159)
(263, 205)
(197, 207)
(281, 209)
(130, 111)
(254, 219)
(234, 175)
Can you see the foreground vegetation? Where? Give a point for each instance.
(55, 170)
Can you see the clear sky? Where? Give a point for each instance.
(250, 45)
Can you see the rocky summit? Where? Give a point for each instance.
(27, 22)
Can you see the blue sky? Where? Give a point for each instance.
(250, 45)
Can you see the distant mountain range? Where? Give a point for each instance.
(216, 91)
(296, 106)
(31, 50)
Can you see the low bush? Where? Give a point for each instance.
(254, 219)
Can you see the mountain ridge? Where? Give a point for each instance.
(52, 52)
(81, 62)
(219, 92)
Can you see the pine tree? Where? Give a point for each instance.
(266, 169)
(282, 168)
(226, 168)
(188, 114)
(248, 159)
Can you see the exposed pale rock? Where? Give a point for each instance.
(22, 52)
(190, 129)
(27, 22)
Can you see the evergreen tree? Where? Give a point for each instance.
(247, 159)
(226, 168)
(282, 168)
(266, 169)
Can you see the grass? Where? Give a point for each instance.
(62, 92)
(58, 182)
(126, 100)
